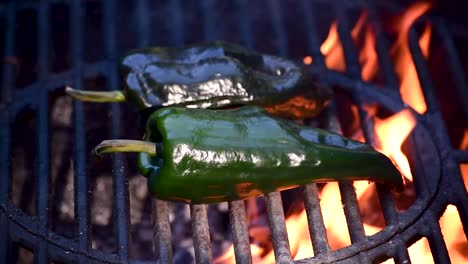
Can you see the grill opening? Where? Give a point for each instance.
(58, 204)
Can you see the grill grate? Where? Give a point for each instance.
(437, 177)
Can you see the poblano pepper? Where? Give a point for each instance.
(214, 75)
(207, 156)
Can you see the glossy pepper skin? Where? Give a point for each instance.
(218, 75)
(211, 156)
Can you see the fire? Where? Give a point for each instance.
(410, 87)
(464, 142)
(332, 50)
(452, 230)
(391, 133)
(464, 167)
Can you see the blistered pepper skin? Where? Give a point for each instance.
(216, 156)
(219, 75)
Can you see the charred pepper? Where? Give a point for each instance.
(214, 75)
(208, 156)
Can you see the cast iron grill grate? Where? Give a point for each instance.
(434, 162)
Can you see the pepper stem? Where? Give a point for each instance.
(125, 145)
(96, 96)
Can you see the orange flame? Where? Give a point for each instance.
(410, 87)
(368, 58)
(464, 142)
(332, 50)
(464, 167)
(391, 133)
(452, 230)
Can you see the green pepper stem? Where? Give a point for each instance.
(96, 96)
(125, 145)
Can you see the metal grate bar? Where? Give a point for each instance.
(120, 184)
(43, 133)
(382, 47)
(209, 19)
(434, 114)
(43, 35)
(315, 222)
(311, 33)
(385, 198)
(348, 195)
(317, 230)
(423, 74)
(455, 66)
(42, 174)
(365, 120)
(143, 23)
(201, 233)
(278, 27)
(344, 30)
(80, 174)
(460, 155)
(436, 241)
(9, 52)
(277, 223)
(401, 253)
(160, 210)
(7, 87)
(177, 26)
(4, 182)
(244, 23)
(6, 94)
(351, 210)
(162, 231)
(425, 80)
(240, 233)
(462, 207)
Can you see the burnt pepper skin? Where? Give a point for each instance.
(219, 75)
(211, 156)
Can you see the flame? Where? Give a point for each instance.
(420, 252)
(410, 87)
(332, 50)
(464, 142)
(452, 230)
(368, 56)
(464, 167)
(391, 133)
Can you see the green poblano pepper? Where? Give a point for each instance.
(214, 75)
(208, 156)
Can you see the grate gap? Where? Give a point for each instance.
(450, 84)
(451, 227)
(26, 57)
(22, 254)
(23, 181)
(61, 164)
(421, 245)
(93, 26)
(60, 46)
(311, 32)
